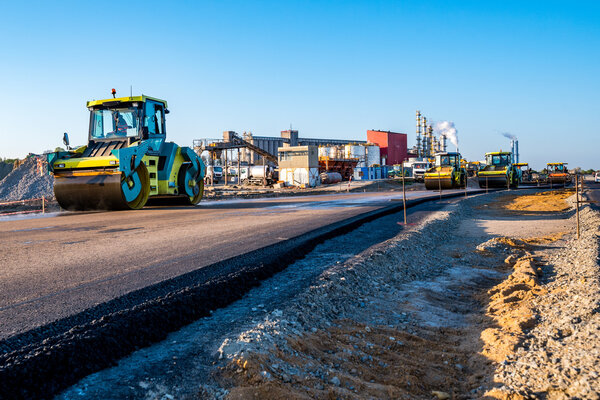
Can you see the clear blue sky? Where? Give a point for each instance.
(332, 69)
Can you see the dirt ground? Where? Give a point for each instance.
(549, 201)
(457, 331)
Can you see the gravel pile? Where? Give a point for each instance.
(560, 357)
(5, 169)
(26, 182)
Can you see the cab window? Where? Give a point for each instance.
(154, 119)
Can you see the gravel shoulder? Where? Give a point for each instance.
(479, 300)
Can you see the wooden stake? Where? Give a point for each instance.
(577, 202)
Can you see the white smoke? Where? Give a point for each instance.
(508, 135)
(447, 129)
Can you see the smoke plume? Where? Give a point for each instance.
(446, 128)
(508, 135)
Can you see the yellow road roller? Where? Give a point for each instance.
(447, 172)
(558, 173)
(499, 171)
(127, 160)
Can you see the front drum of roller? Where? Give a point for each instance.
(91, 190)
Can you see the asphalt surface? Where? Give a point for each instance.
(592, 190)
(57, 266)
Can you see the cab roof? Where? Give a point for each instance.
(521, 164)
(128, 99)
(556, 163)
(448, 153)
(497, 153)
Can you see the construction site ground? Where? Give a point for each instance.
(488, 297)
(221, 191)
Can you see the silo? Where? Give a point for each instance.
(323, 151)
(373, 155)
(332, 152)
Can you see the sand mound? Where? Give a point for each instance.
(553, 201)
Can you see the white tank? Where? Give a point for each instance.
(333, 152)
(323, 151)
(257, 171)
(373, 155)
(355, 151)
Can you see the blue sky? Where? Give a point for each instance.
(332, 69)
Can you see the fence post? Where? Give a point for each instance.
(403, 194)
(43, 204)
(577, 202)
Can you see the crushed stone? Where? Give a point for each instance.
(30, 180)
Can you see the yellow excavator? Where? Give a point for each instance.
(447, 172)
(127, 160)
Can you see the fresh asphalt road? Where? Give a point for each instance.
(58, 265)
(593, 190)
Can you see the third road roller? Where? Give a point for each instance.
(447, 173)
(127, 160)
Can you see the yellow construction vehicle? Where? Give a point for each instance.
(127, 160)
(447, 172)
(558, 173)
(499, 171)
(525, 174)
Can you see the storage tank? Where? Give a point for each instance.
(333, 152)
(373, 155)
(257, 171)
(355, 151)
(323, 151)
(330, 177)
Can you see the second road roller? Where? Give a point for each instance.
(499, 171)
(447, 173)
(127, 160)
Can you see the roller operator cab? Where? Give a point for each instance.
(499, 171)
(447, 173)
(127, 160)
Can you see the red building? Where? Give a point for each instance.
(392, 146)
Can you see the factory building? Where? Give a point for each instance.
(288, 138)
(392, 146)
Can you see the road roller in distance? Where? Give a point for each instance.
(127, 160)
(499, 171)
(558, 173)
(447, 172)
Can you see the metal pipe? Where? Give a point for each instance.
(419, 154)
(425, 148)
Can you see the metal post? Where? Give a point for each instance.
(486, 184)
(403, 195)
(239, 175)
(43, 204)
(577, 202)
(226, 170)
(264, 173)
(440, 183)
(466, 184)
